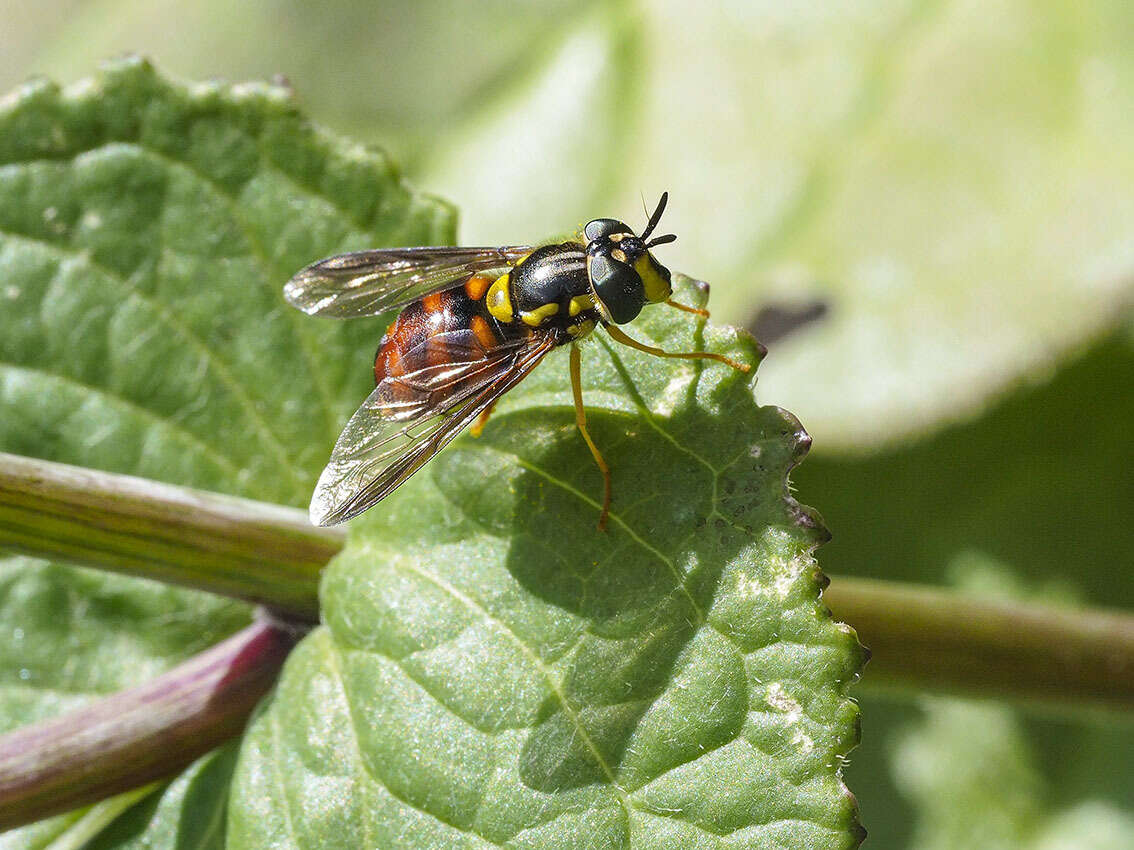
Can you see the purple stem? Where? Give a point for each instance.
(142, 734)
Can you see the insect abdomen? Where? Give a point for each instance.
(441, 331)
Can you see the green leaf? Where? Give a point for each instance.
(73, 635)
(969, 770)
(146, 229)
(494, 671)
(74, 830)
(322, 48)
(975, 781)
(188, 814)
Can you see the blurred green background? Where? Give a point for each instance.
(924, 208)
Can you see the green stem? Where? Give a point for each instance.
(264, 554)
(142, 734)
(939, 641)
(920, 637)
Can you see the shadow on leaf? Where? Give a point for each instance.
(696, 496)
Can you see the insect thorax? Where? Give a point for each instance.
(550, 289)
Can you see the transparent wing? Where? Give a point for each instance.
(390, 437)
(365, 283)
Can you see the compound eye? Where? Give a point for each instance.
(602, 227)
(618, 287)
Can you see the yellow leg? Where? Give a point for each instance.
(581, 422)
(618, 336)
(482, 420)
(696, 311)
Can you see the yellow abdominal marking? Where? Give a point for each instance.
(580, 303)
(497, 300)
(535, 317)
(657, 290)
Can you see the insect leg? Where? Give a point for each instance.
(581, 422)
(696, 311)
(482, 420)
(618, 336)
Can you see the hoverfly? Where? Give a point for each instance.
(474, 323)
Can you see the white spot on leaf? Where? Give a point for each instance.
(803, 741)
(782, 701)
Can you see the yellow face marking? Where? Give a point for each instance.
(497, 300)
(657, 290)
(535, 317)
(580, 303)
(619, 255)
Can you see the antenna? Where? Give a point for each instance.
(656, 217)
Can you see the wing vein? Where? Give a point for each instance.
(383, 445)
(366, 283)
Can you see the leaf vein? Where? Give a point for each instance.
(220, 367)
(331, 654)
(536, 661)
(613, 517)
(260, 254)
(142, 412)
